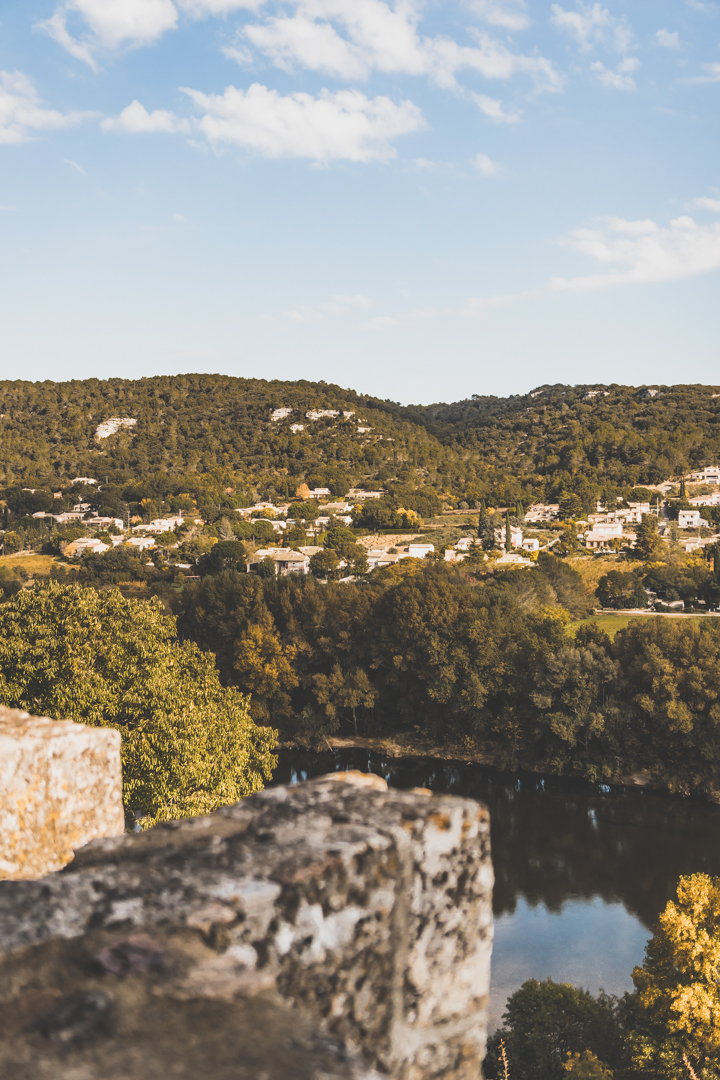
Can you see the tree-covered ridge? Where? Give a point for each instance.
(594, 441)
(204, 424)
(579, 437)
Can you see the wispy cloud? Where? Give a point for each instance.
(22, 113)
(592, 24)
(620, 78)
(74, 165)
(495, 110)
(339, 305)
(508, 14)
(643, 251)
(476, 308)
(486, 166)
(712, 75)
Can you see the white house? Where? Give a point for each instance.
(531, 544)
(602, 533)
(160, 525)
(87, 480)
(709, 475)
(699, 500)
(142, 543)
(419, 551)
(690, 519)
(85, 543)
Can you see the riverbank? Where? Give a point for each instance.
(406, 745)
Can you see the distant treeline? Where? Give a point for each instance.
(489, 667)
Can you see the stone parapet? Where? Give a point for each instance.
(343, 927)
(60, 786)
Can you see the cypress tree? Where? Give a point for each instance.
(508, 534)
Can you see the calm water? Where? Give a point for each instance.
(581, 870)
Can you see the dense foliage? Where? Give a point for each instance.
(488, 665)
(668, 1028)
(199, 434)
(188, 744)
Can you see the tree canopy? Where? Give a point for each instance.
(188, 744)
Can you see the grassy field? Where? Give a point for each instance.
(612, 623)
(609, 623)
(32, 564)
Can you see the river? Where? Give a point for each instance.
(581, 870)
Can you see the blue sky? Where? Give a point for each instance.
(418, 200)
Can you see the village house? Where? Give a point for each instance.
(160, 525)
(602, 533)
(690, 519)
(85, 543)
(287, 561)
(708, 475)
(142, 543)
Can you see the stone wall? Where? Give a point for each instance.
(60, 786)
(333, 929)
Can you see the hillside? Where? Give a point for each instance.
(248, 430)
(581, 438)
(269, 436)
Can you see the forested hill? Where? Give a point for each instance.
(603, 435)
(212, 424)
(268, 436)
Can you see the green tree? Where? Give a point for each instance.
(648, 544)
(225, 555)
(486, 530)
(343, 690)
(338, 537)
(570, 505)
(675, 1010)
(323, 563)
(266, 568)
(621, 590)
(546, 1022)
(508, 533)
(12, 543)
(188, 745)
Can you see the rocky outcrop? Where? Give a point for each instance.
(60, 786)
(333, 929)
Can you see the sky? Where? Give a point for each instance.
(420, 201)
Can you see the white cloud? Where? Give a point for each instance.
(643, 251)
(22, 113)
(351, 38)
(592, 25)
(201, 8)
(705, 203)
(621, 78)
(136, 120)
(112, 24)
(74, 165)
(701, 5)
(495, 109)
(180, 218)
(509, 14)
(340, 305)
(586, 25)
(667, 39)
(713, 75)
(345, 124)
(486, 166)
(423, 163)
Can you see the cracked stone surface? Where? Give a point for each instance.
(60, 786)
(332, 929)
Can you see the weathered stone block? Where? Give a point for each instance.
(60, 786)
(357, 915)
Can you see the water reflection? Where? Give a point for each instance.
(581, 870)
(556, 839)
